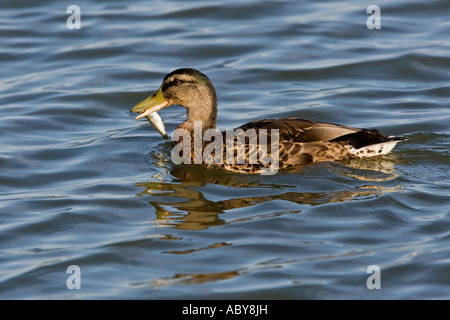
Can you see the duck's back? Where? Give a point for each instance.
(303, 141)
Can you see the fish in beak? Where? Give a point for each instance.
(148, 108)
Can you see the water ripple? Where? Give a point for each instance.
(83, 183)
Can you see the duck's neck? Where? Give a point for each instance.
(202, 110)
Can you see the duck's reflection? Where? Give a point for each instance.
(180, 203)
(193, 278)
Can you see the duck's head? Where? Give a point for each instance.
(188, 88)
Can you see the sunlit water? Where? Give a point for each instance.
(83, 183)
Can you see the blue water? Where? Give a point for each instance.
(82, 183)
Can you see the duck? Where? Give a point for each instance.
(293, 141)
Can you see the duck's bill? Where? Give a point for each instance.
(149, 107)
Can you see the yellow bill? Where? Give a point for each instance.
(148, 108)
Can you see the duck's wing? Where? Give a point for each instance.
(300, 130)
(304, 141)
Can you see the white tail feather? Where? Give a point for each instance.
(374, 149)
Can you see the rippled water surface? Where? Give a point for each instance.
(82, 183)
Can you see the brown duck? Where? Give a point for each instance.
(298, 141)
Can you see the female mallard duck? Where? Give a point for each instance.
(298, 141)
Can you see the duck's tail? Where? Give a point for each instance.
(377, 149)
(368, 143)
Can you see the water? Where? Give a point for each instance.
(83, 183)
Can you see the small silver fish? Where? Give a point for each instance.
(148, 107)
(158, 124)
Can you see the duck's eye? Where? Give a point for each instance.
(176, 81)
